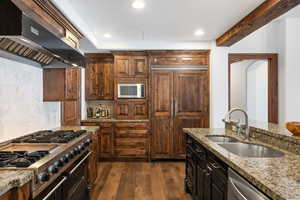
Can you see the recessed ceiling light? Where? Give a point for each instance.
(199, 32)
(138, 4)
(107, 35)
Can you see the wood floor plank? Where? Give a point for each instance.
(140, 181)
(110, 187)
(157, 183)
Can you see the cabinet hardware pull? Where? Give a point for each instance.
(215, 165)
(236, 190)
(74, 169)
(55, 188)
(209, 168)
(174, 107)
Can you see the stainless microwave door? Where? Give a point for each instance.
(130, 91)
(127, 91)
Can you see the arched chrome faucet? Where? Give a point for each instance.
(242, 128)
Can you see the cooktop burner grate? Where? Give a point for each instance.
(48, 136)
(20, 158)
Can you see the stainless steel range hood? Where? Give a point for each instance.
(21, 35)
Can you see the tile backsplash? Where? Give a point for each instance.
(95, 104)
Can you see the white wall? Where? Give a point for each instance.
(219, 85)
(257, 91)
(291, 68)
(282, 37)
(22, 109)
(238, 86)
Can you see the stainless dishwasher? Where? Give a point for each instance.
(240, 189)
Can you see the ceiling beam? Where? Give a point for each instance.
(262, 15)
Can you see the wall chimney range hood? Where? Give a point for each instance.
(22, 36)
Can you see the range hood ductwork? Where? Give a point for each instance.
(22, 36)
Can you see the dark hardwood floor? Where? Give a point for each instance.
(140, 181)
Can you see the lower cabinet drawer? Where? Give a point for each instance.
(132, 125)
(131, 142)
(131, 152)
(131, 133)
(131, 147)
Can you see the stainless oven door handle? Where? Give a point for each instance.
(86, 157)
(236, 191)
(55, 188)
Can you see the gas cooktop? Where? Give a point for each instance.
(48, 136)
(20, 158)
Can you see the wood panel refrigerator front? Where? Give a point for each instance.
(180, 99)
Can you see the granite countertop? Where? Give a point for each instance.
(91, 129)
(113, 120)
(14, 178)
(277, 177)
(274, 130)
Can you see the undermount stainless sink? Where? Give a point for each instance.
(221, 138)
(251, 150)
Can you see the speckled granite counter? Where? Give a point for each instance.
(91, 129)
(14, 178)
(277, 177)
(114, 120)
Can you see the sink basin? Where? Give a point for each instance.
(251, 150)
(221, 139)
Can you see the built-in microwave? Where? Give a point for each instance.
(128, 91)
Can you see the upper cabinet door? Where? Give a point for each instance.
(106, 81)
(162, 93)
(72, 83)
(131, 66)
(139, 66)
(60, 84)
(99, 80)
(122, 66)
(191, 93)
(92, 81)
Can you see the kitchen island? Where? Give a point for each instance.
(279, 177)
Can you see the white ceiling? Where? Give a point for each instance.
(161, 22)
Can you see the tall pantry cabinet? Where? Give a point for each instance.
(180, 99)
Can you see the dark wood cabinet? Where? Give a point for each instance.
(131, 109)
(139, 66)
(61, 84)
(72, 83)
(93, 160)
(100, 78)
(131, 140)
(162, 114)
(131, 66)
(191, 101)
(70, 112)
(122, 140)
(105, 138)
(206, 175)
(180, 99)
(122, 109)
(139, 109)
(18, 193)
(122, 66)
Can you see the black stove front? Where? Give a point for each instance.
(20, 159)
(48, 136)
